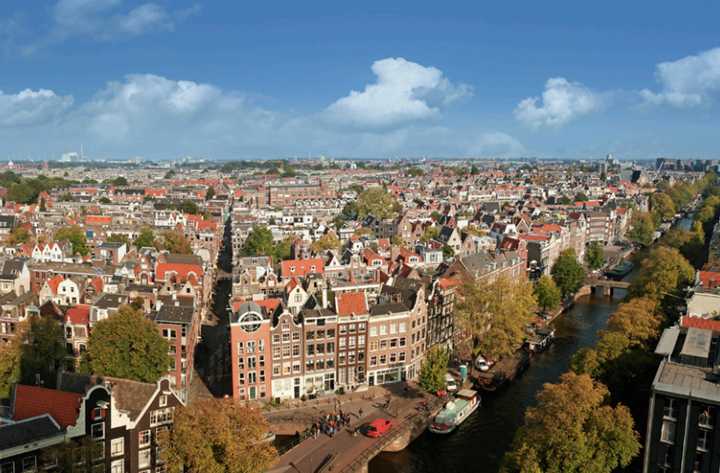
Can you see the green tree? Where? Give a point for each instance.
(350, 210)
(169, 175)
(282, 248)
(663, 205)
(260, 242)
(436, 215)
(189, 207)
(210, 193)
(325, 242)
(9, 368)
(548, 294)
(271, 221)
(572, 429)
(174, 242)
(564, 200)
(67, 198)
(594, 255)
(145, 238)
(581, 197)
(642, 228)
(676, 237)
(431, 233)
(474, 170)
(76, 236)
(339, 222)
(433, 369)
(120, 238)
(217, 436)
(105, 200)
(18, 235)
(638, 319)
(40, 345)
(567, 272)
(595, 361)
(495, 314)
(376, 201)
(603, 176)
(138, 303)
(127, 346)
(664, 272)
(43, 204)
(120, 181)
(448, 251)
(415, 172)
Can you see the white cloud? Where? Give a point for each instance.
(688, 83)
(28, 107)
(496, 144)
(405, 93)
(562, 102)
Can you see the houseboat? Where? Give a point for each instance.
(541, 340)
(620, 271)
(503, 371)
(455, 412)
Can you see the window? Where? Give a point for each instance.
(262, 376)
(343, 329)
(320, 334)
(8, 467)
(144, 458)
(118, 466)
(310, 350)
(668, 432)
(343, 343)
(161, 416)
(98, 431)
(241, 378)
(331, 333)
(373, 331)
(331, 347)
(393, 328)
(351, 357)
(276, 369)
(285, 337)
(276, 353)
(704, 440)
(671, 408)
(310, 365)
(383, 359)
(29, 463)
(373, 345)
(361, 340)
(402, 357)
(361, 327)
(261, 361)
(403, 326)
(261, 346)
(351, 342)
(117, 447)
(97, 413)
(286, 351)
(383, 330)
(373, 361)
(353, 328)
(144, 439)
(296, 336)
(163, 401)
(241, 348)
(383, 344)
(285, 327)
(252, 364)
(296, 350)
(276, 338)
(241, 363)
(310, 335)
(252, 377)
(403, 341)
(251, 347)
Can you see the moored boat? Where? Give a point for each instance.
(503, 371)
(541, 340)
(455, 412)
(620, 271)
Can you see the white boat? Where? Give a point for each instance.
(455, 412)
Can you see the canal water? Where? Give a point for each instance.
(481, 441)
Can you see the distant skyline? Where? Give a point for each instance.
(232, 80)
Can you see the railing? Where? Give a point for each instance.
(304, 436)
(377, 447)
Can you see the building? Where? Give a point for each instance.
(181, 327)
(250, 350)
(287, 195)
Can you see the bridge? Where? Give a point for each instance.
(608, 285)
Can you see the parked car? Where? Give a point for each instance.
(378, 427)
(450, 382)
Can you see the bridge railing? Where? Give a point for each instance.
(377, 447)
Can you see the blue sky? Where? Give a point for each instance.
(233, 80)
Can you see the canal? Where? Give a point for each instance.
(481, 441)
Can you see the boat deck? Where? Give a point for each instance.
(504, 366)
(448, 415)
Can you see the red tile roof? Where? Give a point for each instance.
(709, 279)
(693, 322)
(98, 219)
(77, 315)
(32, 401)
(54, 283)
(182, 270)
(269, 304)
(351, 303)
(302, 267)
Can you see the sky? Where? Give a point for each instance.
(264, 80)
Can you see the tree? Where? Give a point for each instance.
(40, 349)
(573, 430)
(174, 242)
(415, 172)
(663, 205)
(474, 170)
(138, 303)
(282, 248)
(189, 207)
(18, 235)
(43, 204)
(595, 361)
(548, 293)
(581, 197)
(564, 200)
(436, 215)
(433, 369)
(273, 171)
(105, 200)
(376, 201)
(260, 242)
(169, 175)
(67, 198)
(217, 436)
(271, 221)
(76, 236)
(363, 231)
(127, 346)
(567, 272)
(145, 238)
(120, 238)
(9, 368)
(398, 240)
(350, 210)
(448, 251)
(210, 193)
(638, 320)
(642, 228)
(603, 176)
(339, 222)
(431, 233)
(72, 457)
(495, 313)
(326, 242)
(121, 181)
(664, 272)
(676, 237)
(594, 255)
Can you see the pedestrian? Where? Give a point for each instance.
(360, 413)
(405, 394)
(355, 433)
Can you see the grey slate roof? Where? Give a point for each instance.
(28, 431)
(175, 314)
(385, 309)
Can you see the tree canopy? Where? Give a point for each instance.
(260, 242)
(217, 436)
(76, 236)
(594, 255)
(37, 348)
(567, 272)
(581, 197)
(664, 272)
(642, 228)
(128, 346)
(663, 205)
(18, 235)
(638, 319)
(495, 313)
(189, 207)
(120, 238)
(548, 293)
(326, 242)
(431, 233)
(572, 429)
(378, 202)
(145, 238)
(174, 242)
(433, 369)
(564, 200)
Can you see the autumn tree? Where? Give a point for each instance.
(676, 237)
(260, 242)
(594, 255)
(363, 231)
(664, 272)
(9, 368)
(567, 272)
(431, 233)
(376, 201)
(145, 238)
(638, 319)
(594, 361)
(83, 456)
(397, 240)
(18, 235)
(174, 242)
(120, 238)
(217, 436)
(129, 346)
(572, 429)
(76, 236)
(433, 369)
(326, 242)
(663, 205)
(548, 294)
(38, 348)
(642, 228)
(495, 313)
